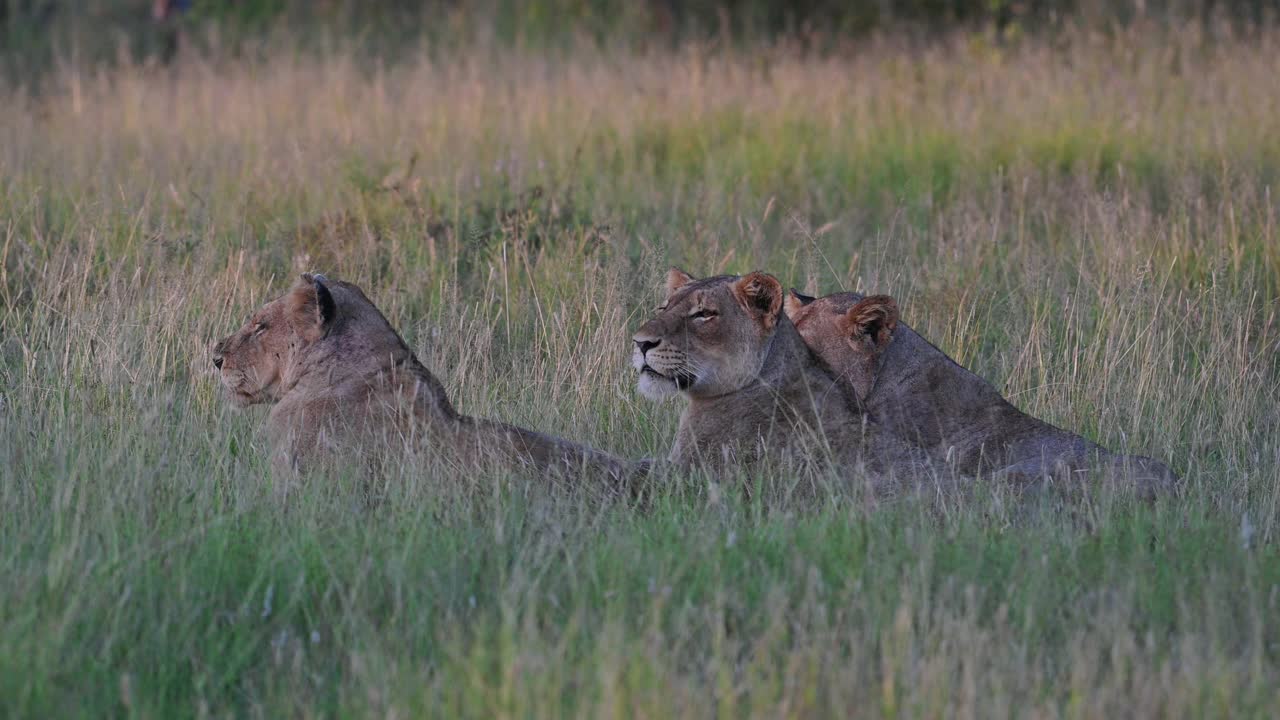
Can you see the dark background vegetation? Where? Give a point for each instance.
(35, 32)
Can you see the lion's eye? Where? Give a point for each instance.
(258, 328)
(703, 314)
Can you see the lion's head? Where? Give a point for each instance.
(847, 332)
(710, 336)
(255, 361)
(320, 325)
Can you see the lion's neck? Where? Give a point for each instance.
(789, 391)
(347, 364)
(788, 359)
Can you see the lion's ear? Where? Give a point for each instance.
(676, 279)
(873, 318)
(794, 301)
(761, 295)
(311, 307)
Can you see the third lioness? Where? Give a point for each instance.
(753, 386)
(924, 397)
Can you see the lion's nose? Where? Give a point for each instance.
(217, 360)
(647, 345)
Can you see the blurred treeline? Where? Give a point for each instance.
(36, 33)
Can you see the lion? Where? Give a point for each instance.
(926, 398)
(753, 386)
(338, 377)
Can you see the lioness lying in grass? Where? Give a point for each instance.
(340, 379)
(753, 386)
(926, 398)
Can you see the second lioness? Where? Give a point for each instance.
(753, 386)
(924, 397)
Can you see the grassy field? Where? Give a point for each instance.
(1088, 223)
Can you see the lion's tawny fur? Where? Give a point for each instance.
(752, 384)
(924, 397)
(340, 379)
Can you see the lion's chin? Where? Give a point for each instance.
(239, 398)
(657, 387)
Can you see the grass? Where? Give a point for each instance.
(1090, 225)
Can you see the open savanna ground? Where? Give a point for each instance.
(1089, 223)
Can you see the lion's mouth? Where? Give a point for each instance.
(682, 380)
(240, 398)
(236, 392)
